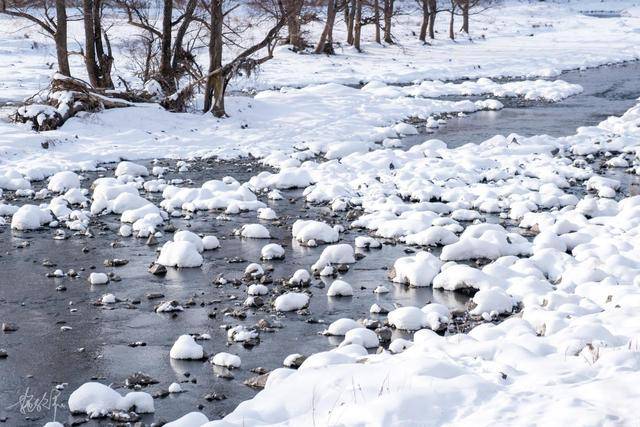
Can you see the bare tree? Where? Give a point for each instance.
(293, 10)
(429, 11)
(388, 14)
(40, 14)
(325, 44)
(98, 60)
(219, 75)
(174, 59)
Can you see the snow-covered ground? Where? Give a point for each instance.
(572, 352)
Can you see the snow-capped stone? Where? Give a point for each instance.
(98, 279)
(492, 300)
(291, 301)
(130, 168)
(63, 181)
(300, 277)
(180, 254)
(254, 231)
(340, 288)
(341, 326)
(188, 236)
(97, 400)
(210, 242)
(312, 233)
(226, 359)
(272, 251)
(30, 217)
(186, 347)
(418, 270)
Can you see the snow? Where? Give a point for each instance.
(361, 336)
(226, 359)
(272, 251)
(418, 270)
(300, 277)
(340, 288)
(334, 254)
(63, 181)
(492, 300)
(186, 347)
(210, 242)
(572, 349)
(188, 236)
(131, 169)
(192, 419)
(291, 301)
(175, 388)
(30, 217)
(180, 254)
(97, 400)
(257, 290)
(255, 231)
(342, 326)
(98, 279)
(311, 233)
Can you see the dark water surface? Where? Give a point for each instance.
(608, 91)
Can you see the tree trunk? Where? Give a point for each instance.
(178, 52)
(105, 60)
(90, 43)
(325, 44)
(350, 23)
(61, 38)
(465, 16)
(215, 88)
(376, 19)
(388, 13)
(294, 28)
(425, 21)
(358, 26)
(452, 35)
(167, 79)
(433, 10)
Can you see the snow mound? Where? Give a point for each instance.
(182, 254)
(186, 347)
(97, 400)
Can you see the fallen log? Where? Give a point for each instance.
(66, 97)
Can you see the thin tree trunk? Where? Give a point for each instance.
(294, 27)
(325, 44)
(165, 48)
(104, 59)
(62, 51)
(178, 52)
(425, 21)
(358, 25)
(388, 13)
(465, 16)
(90, 43)
(433, 10)
(350, 22)
(376, 19)
(452, 35)
(214, 90)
